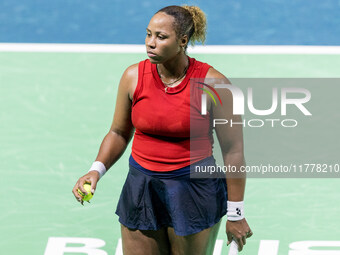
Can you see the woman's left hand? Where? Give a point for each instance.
(239, 231)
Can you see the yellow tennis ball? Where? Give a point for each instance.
(89, 195)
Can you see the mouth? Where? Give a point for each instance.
(151, 54)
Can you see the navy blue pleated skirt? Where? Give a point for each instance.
(149, 201)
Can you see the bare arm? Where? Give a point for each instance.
(230, 138)
(231, 142)
(120, 133)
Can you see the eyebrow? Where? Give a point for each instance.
(157, 32)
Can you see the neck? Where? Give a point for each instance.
(174, 67)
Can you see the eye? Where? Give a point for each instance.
(161, 37)
(148, 34)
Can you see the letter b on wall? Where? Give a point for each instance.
(90, 246)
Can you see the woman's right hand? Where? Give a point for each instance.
(92, 178)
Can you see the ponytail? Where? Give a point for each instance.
(189, 20)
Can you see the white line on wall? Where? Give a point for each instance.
(139, 48)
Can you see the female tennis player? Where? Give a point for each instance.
(161, 209)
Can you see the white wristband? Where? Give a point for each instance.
(235, 210)
(99, 167)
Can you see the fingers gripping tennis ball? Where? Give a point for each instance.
(89, 195)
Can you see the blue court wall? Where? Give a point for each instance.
(230, 22)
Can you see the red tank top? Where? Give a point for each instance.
(168, 121)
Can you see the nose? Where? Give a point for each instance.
(150, 42)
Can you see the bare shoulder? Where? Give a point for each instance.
(130, 73)
(213, 73)
(129, 79)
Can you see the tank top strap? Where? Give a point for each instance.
(203, 69)
(144, 67)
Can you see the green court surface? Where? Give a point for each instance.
(57, 107)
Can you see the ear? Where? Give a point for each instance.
(184, 41)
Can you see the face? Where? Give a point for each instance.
(161, 40)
